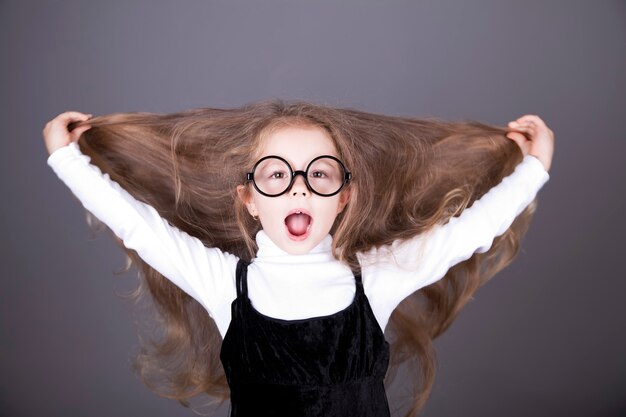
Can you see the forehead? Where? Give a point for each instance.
(298, 145)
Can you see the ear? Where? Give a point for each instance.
(244, 195)
(344, 197)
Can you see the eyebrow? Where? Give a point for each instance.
(291, 164)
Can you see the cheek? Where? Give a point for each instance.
(269, 210)
(262, 206)
(330, 211)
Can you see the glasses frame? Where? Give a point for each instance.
(346, 177)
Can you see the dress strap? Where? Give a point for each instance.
(358, 280)
(242, 278)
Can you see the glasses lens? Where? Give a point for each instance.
(325, 175)
(272, 176)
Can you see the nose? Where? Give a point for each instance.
(299, 186)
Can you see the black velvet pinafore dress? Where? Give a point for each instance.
(331, 366)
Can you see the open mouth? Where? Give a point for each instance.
(298, 225)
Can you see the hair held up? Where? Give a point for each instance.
(410, 175)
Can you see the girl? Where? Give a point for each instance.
(300, 229)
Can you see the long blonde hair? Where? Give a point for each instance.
(409, 176)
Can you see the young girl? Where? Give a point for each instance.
(277, 239)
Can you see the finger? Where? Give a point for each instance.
(76, 133)
(531, 118)
(520, 140)
(517, 137)
(70, 116)
(76, 114)
(528, 129)
(525, 122)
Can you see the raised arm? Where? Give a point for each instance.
(394, 272)
(204, 273)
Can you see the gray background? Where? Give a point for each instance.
(546, 337)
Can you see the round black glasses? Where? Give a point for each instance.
(325, 176)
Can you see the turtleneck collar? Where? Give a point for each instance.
(267, 248)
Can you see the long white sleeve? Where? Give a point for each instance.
(392, 273)
(207, 274)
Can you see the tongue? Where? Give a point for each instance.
(297, 223)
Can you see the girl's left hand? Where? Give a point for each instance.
(533, 137)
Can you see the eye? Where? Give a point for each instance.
(319, 174)
(278, 175)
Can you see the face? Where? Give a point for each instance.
(298, 220)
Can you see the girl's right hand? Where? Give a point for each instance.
(533, 137)
(55, 133)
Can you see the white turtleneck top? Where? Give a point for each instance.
(293, 287)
